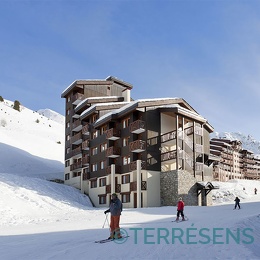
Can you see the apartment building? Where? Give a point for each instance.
(234, 161)
(149, 151)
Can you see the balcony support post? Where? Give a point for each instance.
(113, 171)
(138, 178)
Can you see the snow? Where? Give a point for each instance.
(42, 220)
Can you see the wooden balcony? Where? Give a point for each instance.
(199, 148)
(198, 130)
(198, 167)
(85, 145)
(117, 169)
(85, 129)
(168, 136)
(133, 165)
(112, 134)
(168, 156)
(76, 125)
(76, 151)
(85, 160)
(86, 175)
(77, 98)
(137, 127)
(133, 185)
(76, 139)
(76, 166)
(137, 146)
(118, 188)
(113, 152)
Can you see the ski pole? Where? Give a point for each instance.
(105, 221)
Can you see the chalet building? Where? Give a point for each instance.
(149, 151)
(234, 162)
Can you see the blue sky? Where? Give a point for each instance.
(204, 51)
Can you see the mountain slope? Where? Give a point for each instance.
(31, 144)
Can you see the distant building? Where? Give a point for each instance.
(149, 151)
(234, 162)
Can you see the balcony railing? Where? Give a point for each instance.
(113, 152)
(198, 167)
(133, 185)
(198, 130)
(77, 98)
(85, 160)
(117, 169)
(199, 148)
(118, 188)
(75, 166)
(137, 146)
(168, 136)
(137, 127)
(76, 151)
(168, 156)
(76, 125)
(85, 145)
(112, 134)
(76, 139)
(85, 129)
(133, 165)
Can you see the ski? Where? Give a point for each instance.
(109, 240)
(104, 240)
(180, 220)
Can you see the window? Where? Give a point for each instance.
(94, 167)
(68, 124)
(67, 176)
(95, 134)
(67, 150)
(67, 137)
(103, 129)
(94, 118)
(126, 179)
(94, 151)
(102, 165)
(125, 198)
(125, 141)
(67, 112)
(102, 182)
(126, 160)
(93, 184)
(125, 122)
(103, 147)
(102, 199)
(67, 163)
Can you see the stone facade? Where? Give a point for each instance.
(175, 184)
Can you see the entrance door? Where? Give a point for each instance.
(135, 200)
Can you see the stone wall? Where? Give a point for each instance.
(176, 184)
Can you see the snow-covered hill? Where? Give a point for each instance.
(30, 143)
(248, 141)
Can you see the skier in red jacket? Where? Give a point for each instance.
(180, 208)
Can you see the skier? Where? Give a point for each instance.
(255, 191)
(115, 210)
(237, 200)
(180, 208)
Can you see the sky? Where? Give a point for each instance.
(204, 51)
(46, 220)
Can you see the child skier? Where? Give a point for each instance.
(180, 208)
